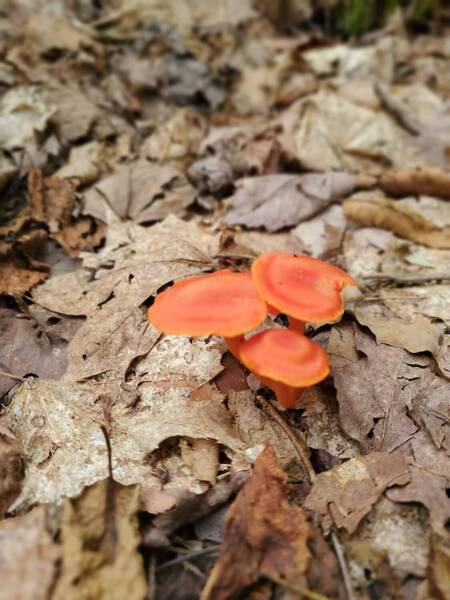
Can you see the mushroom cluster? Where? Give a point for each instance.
(232, 304)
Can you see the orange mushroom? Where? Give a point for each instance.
(302, 287)
(221, 303)
(285, 361)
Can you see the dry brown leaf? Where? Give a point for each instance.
(133, 265)
(99, 542)
(373, 388)
(430, 181)
(28, 557)
(439, 567)
(322, 235)
(278, 201)
(189, 507)
(429, 489)
(84, 164)
(27, 349)
(143, 192)
(264, 535)
(347, 492)
(379, 211)
(10, 468)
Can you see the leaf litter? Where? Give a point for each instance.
(145, 143)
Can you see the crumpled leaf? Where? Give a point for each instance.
(142, 191)
(99, 545)
(347, 492)
(264, 535)
(84, 164)
(28, 557)
(278, 201)
(379, 211)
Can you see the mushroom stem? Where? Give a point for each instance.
(296, 325)
(287, 396)
(233, 344)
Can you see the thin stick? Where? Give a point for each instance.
(187, 557)
(343, 566)
(299, 590)
(11, 376)
(296, 437)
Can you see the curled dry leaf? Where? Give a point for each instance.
(430, 181)
(379, 211)
(347, 492)
(278, 201)
(264, 535)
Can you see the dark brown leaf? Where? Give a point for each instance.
(264, 535)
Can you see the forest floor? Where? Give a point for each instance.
(146, 142)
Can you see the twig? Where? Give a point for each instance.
(391, 401)
(11, 376)
(343, 566)
(187, 557)
(296, 437)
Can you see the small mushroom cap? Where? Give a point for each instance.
(286, 356)
(221, 303)
(301, 287)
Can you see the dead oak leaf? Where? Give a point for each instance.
(278, 201)
(264, 535)
(430, 181)
(347, 492)
(142, 192)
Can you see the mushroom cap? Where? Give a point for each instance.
(286, 356)
(221, 303)
(301, 287)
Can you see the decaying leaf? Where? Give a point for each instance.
(28, 557)
(99, 539)
(347, 492)
(379, 211)
(278, 201)
(264, 535)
